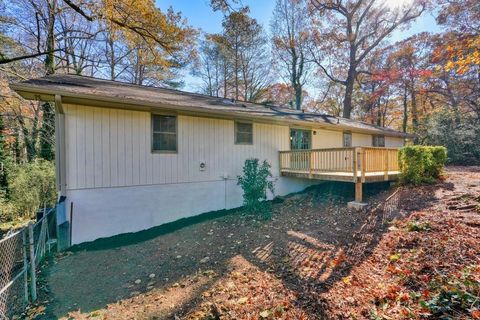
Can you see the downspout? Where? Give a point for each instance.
(60, 158)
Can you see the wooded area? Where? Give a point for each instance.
(427, 84)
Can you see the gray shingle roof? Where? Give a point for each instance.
(99, 89)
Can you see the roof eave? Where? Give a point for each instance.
(34, 92)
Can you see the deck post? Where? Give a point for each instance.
(358, 191)
(355, 164)
(363, 163)
(385, 165)
(310, 162)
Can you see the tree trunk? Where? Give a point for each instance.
(414, 108)
(405, 110)
(298, 96)
(347, 101)
(48, 124)
(236, 71)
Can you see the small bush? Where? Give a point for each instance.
(32, 186)
(421, 164)
(7, 210)
(418, 226)
(255, 182)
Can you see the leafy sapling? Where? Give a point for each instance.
(255, 182)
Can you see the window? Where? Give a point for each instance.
(164, 133)
(243, 133)
(300, 139)
(347, 139)
(378, 141)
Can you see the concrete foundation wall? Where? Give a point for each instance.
(104, 212)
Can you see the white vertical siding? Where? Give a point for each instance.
(393, 142)
(361, 140)
(112, 148)
(327, 139)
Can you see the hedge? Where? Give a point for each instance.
(421, 164)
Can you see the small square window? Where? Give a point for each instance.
(243, 133)
(164, 133)
(378, 141)
(347, 139)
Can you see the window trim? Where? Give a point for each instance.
(152, 150)
(343, 139)
(236, 122)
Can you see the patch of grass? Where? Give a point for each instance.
(418, 226)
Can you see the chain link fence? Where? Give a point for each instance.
(13, 272)
(20, 254)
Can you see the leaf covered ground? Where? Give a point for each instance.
(415, 253)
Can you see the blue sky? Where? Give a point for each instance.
(201, 16)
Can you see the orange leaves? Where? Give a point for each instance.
(162, 38)
(458, 54)
(475, 314)
(339, 258)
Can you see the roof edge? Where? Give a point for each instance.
(34, 92)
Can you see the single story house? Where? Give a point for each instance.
(132, 157)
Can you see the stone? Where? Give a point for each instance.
(357, 205)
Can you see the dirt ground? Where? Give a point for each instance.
(315, 259)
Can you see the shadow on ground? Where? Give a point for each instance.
(312, 241)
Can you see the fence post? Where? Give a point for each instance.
(33, 276)
(25, 265)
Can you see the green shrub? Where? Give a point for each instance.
(255, 182)
(32, 186)
(7, 210)
(421, 164)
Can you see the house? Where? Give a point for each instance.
(131, 157)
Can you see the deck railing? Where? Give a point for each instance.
(365, 160)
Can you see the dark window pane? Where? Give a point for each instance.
(243, 133)
(164, 142)
(244, 127)
(379, 141)
(244, 137)
(164, 136)
(164, 123)
(347, 139)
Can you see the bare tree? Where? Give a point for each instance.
(347, 33)
(290, 26)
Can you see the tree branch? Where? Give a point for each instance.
(27, 56)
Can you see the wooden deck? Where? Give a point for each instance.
(357, 164)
